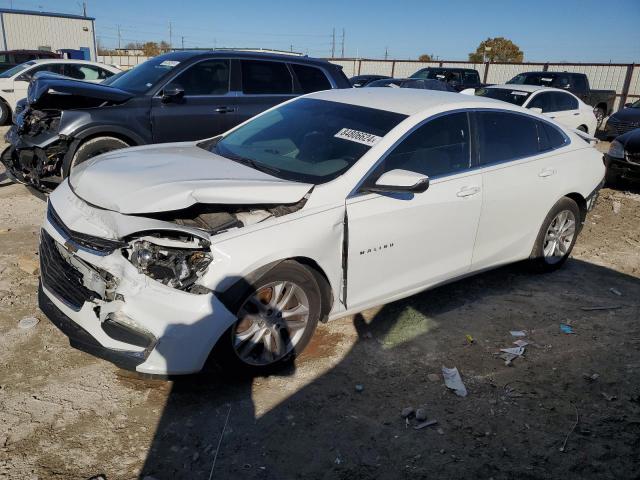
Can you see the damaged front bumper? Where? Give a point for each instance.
(107, 308)
(36, 153)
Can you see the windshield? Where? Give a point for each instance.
(17, 69)
(517, 97)
(543, 79)
(141, 78)
(437, 74)
(307, 140)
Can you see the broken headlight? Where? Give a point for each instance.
(177, 267)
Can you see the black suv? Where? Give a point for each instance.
(179, 96)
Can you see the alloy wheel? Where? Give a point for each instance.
(559, 236)
(271, 323)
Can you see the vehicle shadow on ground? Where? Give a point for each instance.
(512, 423)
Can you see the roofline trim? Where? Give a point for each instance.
(46, 14)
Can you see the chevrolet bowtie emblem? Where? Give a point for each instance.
(70, 248)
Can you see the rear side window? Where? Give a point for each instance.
(86, 72)
(439, 147)
(505, 136)
(311, 79)
(209, 77)
(470, 78)
(545, 101)
(549, 137)
(259, 77)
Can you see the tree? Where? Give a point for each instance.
(425, 57)
(133, 46)
(150, 49)
(498, 49)
(164, 46)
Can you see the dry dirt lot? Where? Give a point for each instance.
(570, 408)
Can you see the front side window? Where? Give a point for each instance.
(439, 147)
(311, 79)
(545, 101)
(579, 82)
(15, 70)
(565, 102)
(210, 77)
(307, 140)
(265, 78)
(505, 136)
(47, 67)
(470, 78)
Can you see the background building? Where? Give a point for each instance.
(34, 30)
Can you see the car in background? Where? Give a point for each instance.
(11, 58)
(363, 80)
(560, 105)
(459, 78)
(624, 120)
(602, 101)
(234, 248)
(15, 81)
(420, 83)
(179, 96)
(623, 158)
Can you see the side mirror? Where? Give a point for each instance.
(399, 181)
(172, 94)
(535, 109)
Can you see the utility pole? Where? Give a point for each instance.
(118, 37)
(84, 8)
(182, 42)
(333, 43)
(170, 36)
(342, 49)
(386, 52)
(291, 48)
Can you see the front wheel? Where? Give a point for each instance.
(600, 114)
(5, 113)
(557, 236)
(277, 316)
(94, 147)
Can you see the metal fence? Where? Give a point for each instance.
(622, 77)
(125, 62)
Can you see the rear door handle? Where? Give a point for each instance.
(224, 109)
(547, 172)
(467, 191)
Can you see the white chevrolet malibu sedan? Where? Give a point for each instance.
(160, 257)
(562, 106)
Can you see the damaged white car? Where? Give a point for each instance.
(160, 257)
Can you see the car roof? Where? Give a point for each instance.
(451, 69)
(407, 101)
(38, 61)
(526, 88)
(184, 55)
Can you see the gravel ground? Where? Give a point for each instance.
(569, 408)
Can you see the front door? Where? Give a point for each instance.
(207, 107)
(399, 243)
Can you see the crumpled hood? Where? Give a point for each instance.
(627, 115)
(161, 178)
(55, 91)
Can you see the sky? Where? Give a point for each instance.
(545, 30)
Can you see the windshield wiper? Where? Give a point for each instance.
(247, 161)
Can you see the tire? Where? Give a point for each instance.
(546, 258)
(248, 346)
(5, 113)
(94, 147)
(600, 114)
(611, 178)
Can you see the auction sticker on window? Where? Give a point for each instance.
(357, 136)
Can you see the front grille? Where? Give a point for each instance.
(60, 277)
(620, 127)
(97, 245)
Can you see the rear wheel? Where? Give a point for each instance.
(5, 113)
(557, 236)
(94, 147)
(277, 316)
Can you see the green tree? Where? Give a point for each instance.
(150, 49)
(425, 57)
(498, 49)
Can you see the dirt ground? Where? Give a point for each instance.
(569, 408)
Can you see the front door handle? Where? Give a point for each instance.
(224, 109)
(467, 191)
(577, 113)
(547, 172)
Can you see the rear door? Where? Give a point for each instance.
(206, 109)
(263, 85)
(521, 181)
(405, 242)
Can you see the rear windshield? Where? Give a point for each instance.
(541, 79)
(307, 140)
(516, 97)
(141, 78)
